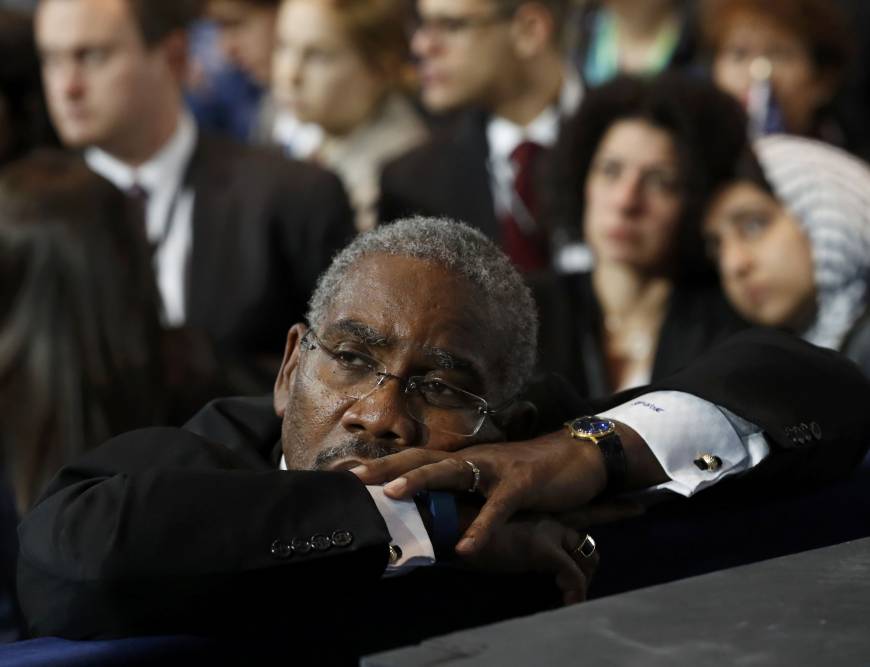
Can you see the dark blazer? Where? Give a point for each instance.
(571, 325)
(264, 229)
(447, 176)
(167, 531)
(856, 346)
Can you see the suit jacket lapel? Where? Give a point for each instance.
(213, 212)
(472, 186)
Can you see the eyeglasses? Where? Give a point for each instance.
(429, 400)
(441, 27)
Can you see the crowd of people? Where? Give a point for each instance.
(482, 193)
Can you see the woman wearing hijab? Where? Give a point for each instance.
(792, 243)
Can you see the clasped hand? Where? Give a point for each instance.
(550, 474)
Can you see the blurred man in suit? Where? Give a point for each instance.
(238, 235)
(502, 63)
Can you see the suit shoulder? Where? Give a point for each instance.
(266, 165)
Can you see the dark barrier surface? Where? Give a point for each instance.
(808, 609)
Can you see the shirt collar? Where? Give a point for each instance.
(165, 168)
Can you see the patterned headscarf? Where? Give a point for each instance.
(828, 191)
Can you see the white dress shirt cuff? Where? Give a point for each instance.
(679, 428)
(406, 531)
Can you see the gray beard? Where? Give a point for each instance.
(353, 448)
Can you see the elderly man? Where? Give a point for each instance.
(421, 336)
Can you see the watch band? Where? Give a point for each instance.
(614, 462)
(602, 433)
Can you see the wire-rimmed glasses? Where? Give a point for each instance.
(429, 400)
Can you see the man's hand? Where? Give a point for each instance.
(551, 473)
(536, 543)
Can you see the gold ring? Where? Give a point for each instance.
(476, 472)
(586, 548)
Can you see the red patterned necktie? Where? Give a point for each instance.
(523, 238)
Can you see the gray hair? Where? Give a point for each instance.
(459, 248)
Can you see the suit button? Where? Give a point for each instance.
(816, 430)
(342, 538)
(281, 550)
(301, 546)
(321, 542)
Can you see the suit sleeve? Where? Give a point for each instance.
(160, 531)
(809, 402)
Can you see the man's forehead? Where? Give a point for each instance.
(71, 23)
(404, 301)
(455, 7)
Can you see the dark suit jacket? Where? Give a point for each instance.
(264, 229)
(570, 339)
(166, 531)
(447, 176)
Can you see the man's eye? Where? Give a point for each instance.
(441, 394)
(355, 360)
(94, 56)
(737, 53)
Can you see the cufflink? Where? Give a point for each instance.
(708, 462)
(395, 553)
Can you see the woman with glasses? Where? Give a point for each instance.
(787, 62)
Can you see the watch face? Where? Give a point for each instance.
(594, 426)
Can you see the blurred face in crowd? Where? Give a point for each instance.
(104, 86)
(410, 316)
(633, 197)
(764, 257)
(799, 87)
(247, 35)
(318, 74)
(466, 53)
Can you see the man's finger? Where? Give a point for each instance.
(555, 558)
(498, 508)
(447, 475)
(577, 547)
(388, 468)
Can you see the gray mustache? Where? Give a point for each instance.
(354, 448)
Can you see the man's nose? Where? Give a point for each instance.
(423, 41)
(68, 80)
(382, 415)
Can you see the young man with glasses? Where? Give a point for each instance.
(501, 63)
(420, 338)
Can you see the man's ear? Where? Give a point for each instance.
(519, 421)
(288, 365)
(175, 47)
(532, 28)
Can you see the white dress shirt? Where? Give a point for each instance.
(169, 213)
